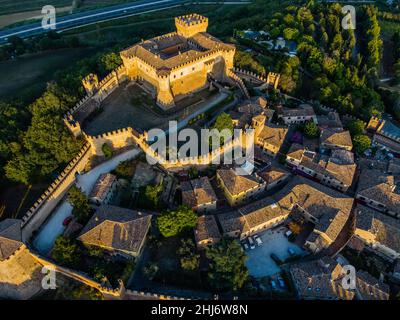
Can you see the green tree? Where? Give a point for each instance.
(356, 127)
(361, 143)
(107, 150)
(189, 259)
(311, 130)
(80, 203)
(172, 222)
(152, 194)
(109, 61)
(222, 123)
(66, 252)
(227, 265)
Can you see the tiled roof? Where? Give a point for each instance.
(273, 135)
(376, 185)
(330, 208)
(237, 183)
(206, 228)
(10, 237)
(331, 120)
(197, 192)
(153, 51)
(319, 279)
(370, 288)
(102, 186)
(304, 110)
(296, 151)
(116, 228)
(273, 174)
(336, 137)
(251, 216)
(386, 229)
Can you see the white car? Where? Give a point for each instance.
(244, 245)
(257, 239)
(251, 243)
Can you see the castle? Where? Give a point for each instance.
(175, 64)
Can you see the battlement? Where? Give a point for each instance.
(190, 24)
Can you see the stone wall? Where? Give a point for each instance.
(42, 208)
(128, 136)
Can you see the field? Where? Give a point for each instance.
(28, 75)
(7, 6)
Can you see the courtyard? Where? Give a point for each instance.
(130, 106)
(260, 263)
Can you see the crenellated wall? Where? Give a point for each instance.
(42, 208)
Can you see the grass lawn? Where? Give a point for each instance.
(28, 75)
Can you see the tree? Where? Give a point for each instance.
(361, 143)
(152, 195)
(189, 259)
(311, 130)
(227, 265)
(66, 252)
(223, 123)
(109, 61)
(107, 150)
(356, 127)
(172, 222)
(80, 203)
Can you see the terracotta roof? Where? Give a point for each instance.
(319, 279)
(337, 138)
(273, 174)
(237, 183)
(10, 237)
(385, 229)
(116, 228)
(370, 288)
(102, 186)
(251, 216)
(273, 135)
(153, 51)
(296, 151)
(206, 228)
(378, 186)
(197, 192)
(304, 110)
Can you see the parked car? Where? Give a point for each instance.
(257, 239)
(251, 243)
(67, 221)
(244, 245)
(288, 233)
(291, 251)
(281, 283)
(273, 284)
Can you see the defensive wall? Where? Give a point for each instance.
(41, 209)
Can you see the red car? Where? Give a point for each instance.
(67, 221)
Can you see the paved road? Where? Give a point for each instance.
(98, 15)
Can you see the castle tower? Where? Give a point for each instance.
(190, 24)
(258, 124)
(90, 83)
(273, 79)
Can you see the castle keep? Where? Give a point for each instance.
(178, 63)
